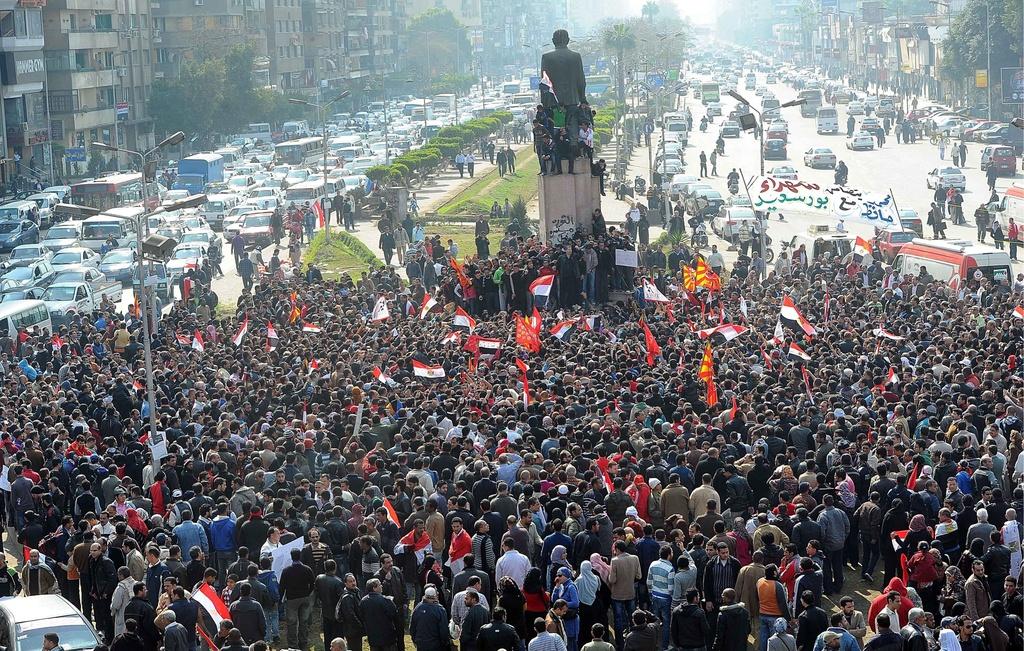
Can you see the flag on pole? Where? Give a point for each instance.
(767, 360)
(778, 336)
(792, 318)
(197, 341)
(807, 382)
(318, 210)
(653, 349)
(526, 336)
(460, 273)
(915, 472)
(242, 331)
(392, 513)
(295, 314)
(380, 310)
(523, 368)
(453, 337)
(429, 303)
(383, 377)
(828, 307)
(1018, 312)
(429, 371)
(891, 378)
(542, 286)
(652, 293)
(723, 333)
(861, 249)
(707, 365)
(882, 332)
(206, 597)
(563, 329)
(184, 340)
(536, 320)
(463, 320)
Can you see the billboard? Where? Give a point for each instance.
(1012, 82)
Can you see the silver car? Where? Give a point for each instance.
(24, 620)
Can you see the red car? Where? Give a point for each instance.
(888, 243)
(984, 125)
(999, 157)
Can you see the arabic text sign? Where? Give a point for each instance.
(772, 194)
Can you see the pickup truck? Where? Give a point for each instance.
(66, 299)
(889, 242)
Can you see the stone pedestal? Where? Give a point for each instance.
(567, 202)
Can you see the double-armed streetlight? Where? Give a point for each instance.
(322, 110)
(142, 219)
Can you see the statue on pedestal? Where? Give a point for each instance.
(564, 84)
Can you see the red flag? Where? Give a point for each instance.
(318, 210)
(912, 480)
(735, 410)
(523, 368)
(460, 274)
(526, 336)
(392, 513)
(707, 365)
(206, 597)
(653, 349)
(807, 382)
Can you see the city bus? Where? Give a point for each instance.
(809, 108)
(109, 192)
(527, 99)
(709, 92)
(598, 85)
(512, 87)
(299, 152)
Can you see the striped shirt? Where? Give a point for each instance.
(547, 642)
(659, 578)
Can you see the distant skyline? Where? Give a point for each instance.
(698, 12)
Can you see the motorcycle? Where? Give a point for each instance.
(703, 125)
(734, 186)
(699, 238)
(639, 185)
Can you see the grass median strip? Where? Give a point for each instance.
(341, 252)
(477, 197)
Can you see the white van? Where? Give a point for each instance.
(1011, 205)
(17, 211)
(215, 207)
(338, 142)
(827, 120)
(303, 192)
(96, 230)
(17, 316)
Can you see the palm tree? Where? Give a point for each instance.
(620, 39)
(650, 10)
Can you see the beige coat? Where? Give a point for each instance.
(624, 574)
(675, 500)
(746, 586)
(699, 499)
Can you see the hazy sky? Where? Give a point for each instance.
(698, 12)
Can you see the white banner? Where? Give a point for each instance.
(771, 194)
(282, 556)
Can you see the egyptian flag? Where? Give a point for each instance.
(487, 347)
(723, 333)
(828, 307)
(461, 545)
(897, 542)
(545, 81)
(653, 349)
(542, 286)
(242, 331)
(536, 320)
(523, 368)
(410, 544)
(390, 508)
(652, 293)
(463, 320)
(793, 319)
(882, 332)
(891, 378)
(383, 377)
(453, 337)
(182, 339)
(271, 337)
(429, 303)
(310, 327)
(213, 606)
(563, 329)
(590, 322)
(797, 353)
(861, 249)
(197, 341)
(429, 371)
(56, 342)
(767, 360)
(1018, 312)
(137, 385)
(778, 335)
(380, 310)
(807, 382)
(318, 210)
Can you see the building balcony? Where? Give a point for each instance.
(86, 118)
(89, 39)
(102, 6)
(20, 43)
(81, 79)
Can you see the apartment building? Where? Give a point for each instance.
(98, 56)
(26, 135)
(323, 31)
(374, 32)
(188, 29)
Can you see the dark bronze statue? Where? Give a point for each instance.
(566, 84)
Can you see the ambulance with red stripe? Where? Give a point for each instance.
(952, 261)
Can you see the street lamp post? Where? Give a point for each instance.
(322, 111)
(147, 345)
(760, 146)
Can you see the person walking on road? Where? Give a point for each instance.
(470, 163)
(460, 163)
(936, 221)
(1013, 234)
(981, 221)
(990, 176)
(850, 123)
(963, 153)
(510, 160)
(714, 162)
(703, 164)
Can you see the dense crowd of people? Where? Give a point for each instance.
(626, 482)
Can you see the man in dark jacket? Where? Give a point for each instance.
(690, 630)
(186, 613)
(253, 533)
(142, 611)
(297, 589)
(497, 635)
(248, 616)
(812, 622)
(913, 635)
(329, 588)
(733, 625)
(348, 614)
(156, 572)
(645, 633)
(102, 579)
(376, 608)
(476, 618)
(428, 627)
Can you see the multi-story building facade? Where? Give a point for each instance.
(186, 29)
(26, 130)
(323, 31)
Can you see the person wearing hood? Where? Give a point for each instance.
(903, 605)
(37, 577)
(640, 492)
(733, 624)
(240, 495)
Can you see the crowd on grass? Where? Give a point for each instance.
(689, 466)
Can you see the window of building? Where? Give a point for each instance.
(148, 57)
(163, 55)
(104, 21)
(34, 23)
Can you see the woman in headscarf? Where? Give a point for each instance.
(558, 560)
(952, 589)
(995, 636)
(894, 520)
(588, 583)
(511, 598)
(780, 639)
(604, 593)
(948, 641)
(537, 599)
(785, 481)
(136, 522)
(432, 574)
(919, 532)
(744, 543)
(602, 568)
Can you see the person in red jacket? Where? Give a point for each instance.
(902, 609)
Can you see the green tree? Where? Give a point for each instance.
(238, 104)
(620, 39)
(191, 103)
(966, 48)
(650, 10)
(438, 45)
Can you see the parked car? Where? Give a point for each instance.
(25, 620)
(185, 257)
(783, 172)
(946, 177)
(971, 133)
(999, 157)
(22, 294)
(820, 157)
(79, 274)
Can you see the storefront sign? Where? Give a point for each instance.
(1012, 82)
(23, 68)
(981, 78)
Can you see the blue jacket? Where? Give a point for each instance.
(191, 534)
(222, 534)
(155, 575)
(269, 579)
(571, 595)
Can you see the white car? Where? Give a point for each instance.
(297, 176)
(185, 257)
(946, 177)
(74, 257)
(820, 157)
(861, 141)
(263, 203)
(233, 219)
(783, 172)
(856, 107)
(174, 196)
(949, 125)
